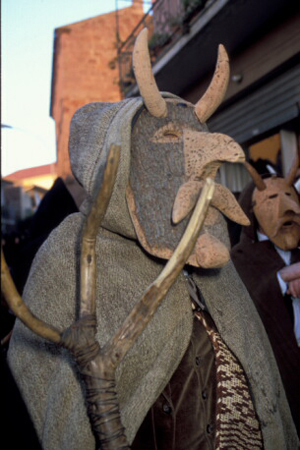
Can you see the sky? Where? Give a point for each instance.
(27, 31)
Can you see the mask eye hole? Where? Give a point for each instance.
(166, 134)
(171, 134)
(273, 196)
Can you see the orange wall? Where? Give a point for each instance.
(266, 149)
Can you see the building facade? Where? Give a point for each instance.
(85, 69)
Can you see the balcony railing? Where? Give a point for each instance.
(167, 21)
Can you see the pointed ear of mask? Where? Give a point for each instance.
(225, 202)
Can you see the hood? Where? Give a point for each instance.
(94, 128)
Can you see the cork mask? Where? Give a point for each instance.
(277, 208)
(172, 153)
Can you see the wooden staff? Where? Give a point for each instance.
(96, 365)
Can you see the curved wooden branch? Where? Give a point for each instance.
(90, 230)
(18, 307)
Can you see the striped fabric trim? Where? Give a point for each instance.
(237, 426)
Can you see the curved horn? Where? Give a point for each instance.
(216, 91)
(259, 182)
(153, 100)
(293, 170)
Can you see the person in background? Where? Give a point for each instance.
(267, 259)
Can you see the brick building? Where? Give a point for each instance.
(85, 69)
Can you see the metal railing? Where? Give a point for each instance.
(167, 21)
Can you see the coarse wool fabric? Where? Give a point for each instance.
(46, 374)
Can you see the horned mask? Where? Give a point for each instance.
(172, 154)
(276, 207)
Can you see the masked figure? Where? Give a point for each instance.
(268, 260)
(202, 374)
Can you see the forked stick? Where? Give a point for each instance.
(97, 366)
